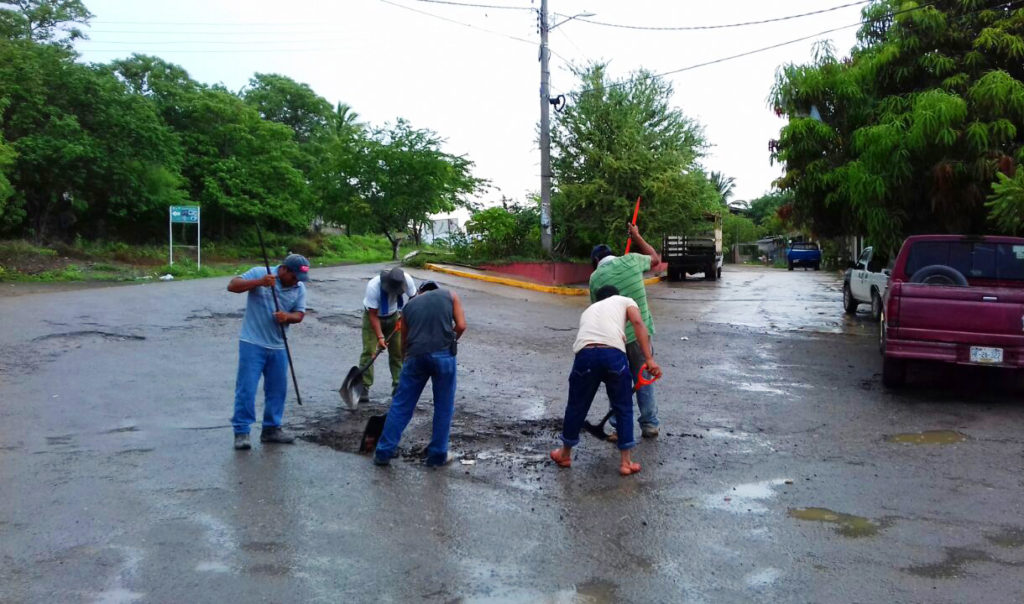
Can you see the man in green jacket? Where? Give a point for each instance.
(626, 273)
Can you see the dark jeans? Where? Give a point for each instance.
(591, 368)
(439, 368)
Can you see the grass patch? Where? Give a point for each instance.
(118, 261)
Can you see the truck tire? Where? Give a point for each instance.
(710, 274)
(849, 302)
(894, 372)
(719, 273)
(876, 305)
(790, 265)
(817, 266)
(939, 274)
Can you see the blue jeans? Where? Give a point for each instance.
(591, 368)
(272, 363)
(439, 368)
(644, 396)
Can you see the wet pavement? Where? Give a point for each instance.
(784, 471)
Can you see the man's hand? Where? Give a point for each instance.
(653, 368)
(281, 317)
(268, 281)
(381, 343)
(634, 233)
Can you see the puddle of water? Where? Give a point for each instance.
(1011, 537)
(952, 567)
(762, 388)
(763, 577)
(928, 437)
(847, 525)
(744, 498)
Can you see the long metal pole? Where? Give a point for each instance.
(545, 133)
(277, 308)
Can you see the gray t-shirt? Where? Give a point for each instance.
(259, 326)
(430, 320)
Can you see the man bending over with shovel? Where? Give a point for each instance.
(431, 324)
(600, 349)
(386, 294)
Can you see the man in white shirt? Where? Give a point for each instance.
(386, 294)
(600, 349)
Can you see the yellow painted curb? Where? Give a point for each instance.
(548, 289)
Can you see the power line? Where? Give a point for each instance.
(725, 26)
(500, 7)
(767, 48)
(469, 25)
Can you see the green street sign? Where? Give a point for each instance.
(187, 214)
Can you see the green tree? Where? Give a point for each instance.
(510, 229)
(91, 158)
(723, 185)
(399, 176)
(909, 133)
(615, 141)
(238, 166)
(43, 21)
(280, 99)
(1007, 203)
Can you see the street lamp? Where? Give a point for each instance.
(545, 126)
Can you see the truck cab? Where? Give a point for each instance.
(954, 299)
(866, 281)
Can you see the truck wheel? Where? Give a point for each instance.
(876, 305)
(817, 266)
(849, 302)
(719, 273)
(790, 265)
(709, 273)
(894, 372)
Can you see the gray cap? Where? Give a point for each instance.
(298, 265)
(393, 281)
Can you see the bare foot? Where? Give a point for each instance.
(562, 461)
(629, 468)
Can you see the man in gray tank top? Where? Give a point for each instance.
(432, 323)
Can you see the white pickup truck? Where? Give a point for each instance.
(865, 282)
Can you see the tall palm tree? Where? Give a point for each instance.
(723, 184)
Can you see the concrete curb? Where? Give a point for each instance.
(548, 289)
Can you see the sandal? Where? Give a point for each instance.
(563, 462)
(632, 468)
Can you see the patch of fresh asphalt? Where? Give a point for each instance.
(784, 471)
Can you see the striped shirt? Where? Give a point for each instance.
(626, 273)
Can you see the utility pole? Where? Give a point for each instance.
(545, 133)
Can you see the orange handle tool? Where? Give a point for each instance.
(636, 211)
(642, 381)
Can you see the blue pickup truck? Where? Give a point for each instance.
(803, 253)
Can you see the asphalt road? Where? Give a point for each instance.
(784, 471)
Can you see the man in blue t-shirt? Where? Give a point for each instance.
(261, 345)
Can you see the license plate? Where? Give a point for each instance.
(980, 354)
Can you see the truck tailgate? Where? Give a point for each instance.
(982, 316)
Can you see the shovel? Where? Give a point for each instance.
(352, 386)
(597, 431)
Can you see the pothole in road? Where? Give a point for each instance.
(847, 525)
(928, 437)
(522, 443)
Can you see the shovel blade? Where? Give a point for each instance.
(352, 388)
(595, 431)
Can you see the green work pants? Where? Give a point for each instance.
(394, 352)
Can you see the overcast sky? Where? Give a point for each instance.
(472, 75)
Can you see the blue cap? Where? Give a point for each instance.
(599, 251)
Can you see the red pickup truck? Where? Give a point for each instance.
(954, 299)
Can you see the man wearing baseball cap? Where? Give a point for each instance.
(626, 274)
(385, 296)
(261, 349)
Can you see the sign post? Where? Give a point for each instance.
(183, 215)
